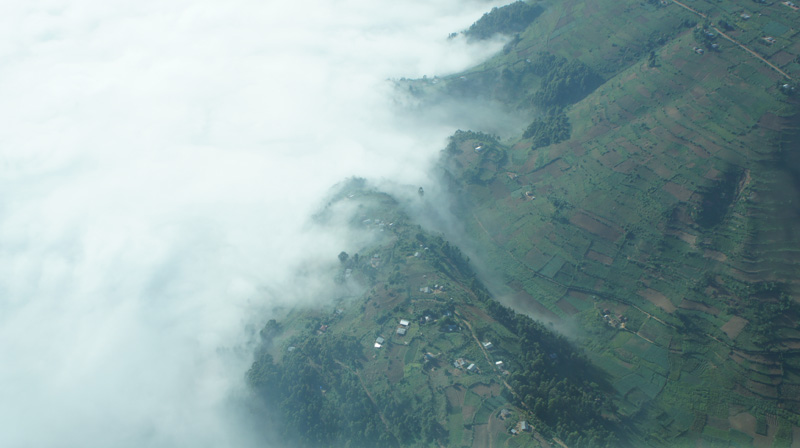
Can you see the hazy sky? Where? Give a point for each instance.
(158, 162)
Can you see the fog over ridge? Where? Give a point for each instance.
(160, 161)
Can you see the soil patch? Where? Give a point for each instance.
(658, 299)
(605, 259)
(734, 326)
(593, 225)
(697, 306)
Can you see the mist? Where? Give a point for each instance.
(160, 162)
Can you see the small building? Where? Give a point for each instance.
(451, 328)
(499, 364)
(379, 340)
(401, 331)
(459, 363)
(488, 345)
(471, 367)
(745, 16)
(404, 322)
(524, 426)
(698, 50)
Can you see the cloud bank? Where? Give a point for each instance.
(159, 162)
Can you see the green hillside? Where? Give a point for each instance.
(651, 209)
(424, 357)
(656, 210)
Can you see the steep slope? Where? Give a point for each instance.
(666, 225)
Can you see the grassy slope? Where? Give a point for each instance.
(616, 223)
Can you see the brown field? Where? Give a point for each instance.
(679, 191)
(605, 259)
(714, 255)
(626, 166)
(744, 422)
(468, 413)
(481, 435)
(782, 58)
(697, 306)
(772, 122)
(658, 299)
(685, 237)
(481, 390)
(566, 307)
(593, 225)
(713, 174)
(734, 326)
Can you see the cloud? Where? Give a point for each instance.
(159, 162)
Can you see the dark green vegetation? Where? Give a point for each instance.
(663, 227)
(508, 19)
(332, 382)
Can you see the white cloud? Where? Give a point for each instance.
(158, 162)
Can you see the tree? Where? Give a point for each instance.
(343, 256)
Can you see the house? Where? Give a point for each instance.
(471, 368)
(488, 345)
(404, 322)
(499, 364)
(769, 39)
(459, 363)
(402, 331)
(745, 16)
(524, 426)
(379, 340)
(698, 50)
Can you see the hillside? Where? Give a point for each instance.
(650, 209)
(423, 357)
(653, 205)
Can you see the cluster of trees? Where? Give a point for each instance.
(479, 138)
(318, 400)
(563, 81)
(718, 198)
(508, 19)
(553, 382)
(553, 127)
